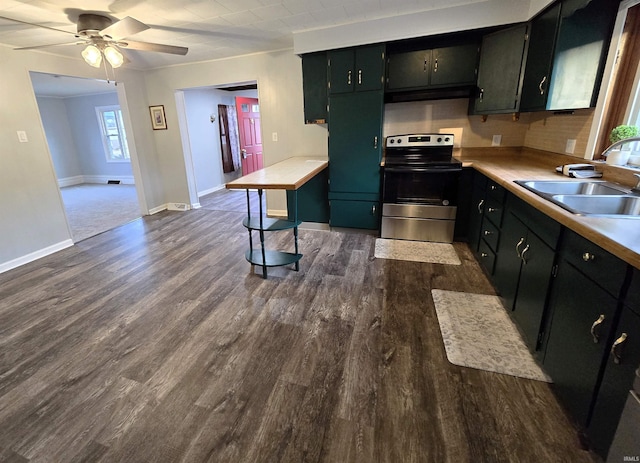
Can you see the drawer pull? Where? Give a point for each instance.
(493, 188)
(492, 209)
(588, 257)
(480, 205)
(594, 329)
(484, 254)
(618, 346)
(524, 251)
(518, 246)
(487, 233)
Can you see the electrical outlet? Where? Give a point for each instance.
(571, 146)
(497, 139)
(274, 136)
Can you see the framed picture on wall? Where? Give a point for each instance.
(158, 120)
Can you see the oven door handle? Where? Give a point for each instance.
(422, 169)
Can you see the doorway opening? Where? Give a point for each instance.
(87, 139)
(218, 123)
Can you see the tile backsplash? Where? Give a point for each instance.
(542, 130)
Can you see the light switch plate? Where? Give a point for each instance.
(22, 136)
(496, 140)
(274, 136)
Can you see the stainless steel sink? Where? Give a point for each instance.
(569, 187)
(587, 197)
(603, 205)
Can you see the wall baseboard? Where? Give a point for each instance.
(210, 190)
(280, 213)
(155, 210)
(6, 266)
(69, 181)
(79, 179)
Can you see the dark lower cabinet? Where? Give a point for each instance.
(476, 210)
(583, 315)
(311, 200)
(619, 373)
(355, 214)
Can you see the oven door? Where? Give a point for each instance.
(423, 186)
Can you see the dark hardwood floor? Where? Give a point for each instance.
(155, 342)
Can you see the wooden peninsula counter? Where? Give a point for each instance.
(289, 174)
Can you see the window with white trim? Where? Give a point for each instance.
(114, 137)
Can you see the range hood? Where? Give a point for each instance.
(430, 94)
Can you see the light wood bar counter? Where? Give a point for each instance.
(619, 236)
(289, 174)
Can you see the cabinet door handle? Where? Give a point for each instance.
(480, 206)
(435, 65)
(588, 257)
(375, 142)
(349, 77)
(544, 79)
(618, 346)
(373, 210)
(425, 64)
(524, 251)
(359, 76)
(518, 247)
(481, 94)
(594, 329)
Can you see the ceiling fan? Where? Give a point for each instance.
(102, 36)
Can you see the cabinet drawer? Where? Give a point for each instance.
(494, 209)
(487, 256)
(490, 233)
(354, 214)
(496, 191)
(597, 264)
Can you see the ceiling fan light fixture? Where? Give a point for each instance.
(92, 56)
(114, 57)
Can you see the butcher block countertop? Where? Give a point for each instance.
(621, 237)
(289, 174)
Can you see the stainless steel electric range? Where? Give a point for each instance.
(420, 185)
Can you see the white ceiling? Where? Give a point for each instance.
(211, 29)
(57, 86)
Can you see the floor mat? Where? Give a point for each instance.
(416, 251)
(478, 333)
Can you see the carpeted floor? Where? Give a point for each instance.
(95, 208)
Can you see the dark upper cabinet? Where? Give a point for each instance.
(408, 70)
(454, 65)
(580, 53)
(499, 72)
(438, 67)
(537, 73)
(566, 55)
(314, 81)
(356, 69)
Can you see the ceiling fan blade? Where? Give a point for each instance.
(123, 28)
(147, 46)
(49, 45)
(37, 25)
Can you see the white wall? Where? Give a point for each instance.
(33, 218)
(55, 120)
(279, 78)
(87, 135)
(476, 15)
(75, 138)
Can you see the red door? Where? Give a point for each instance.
(248, 111)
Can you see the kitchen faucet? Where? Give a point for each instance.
(636, 189)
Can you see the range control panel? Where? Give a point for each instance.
(420, 139)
